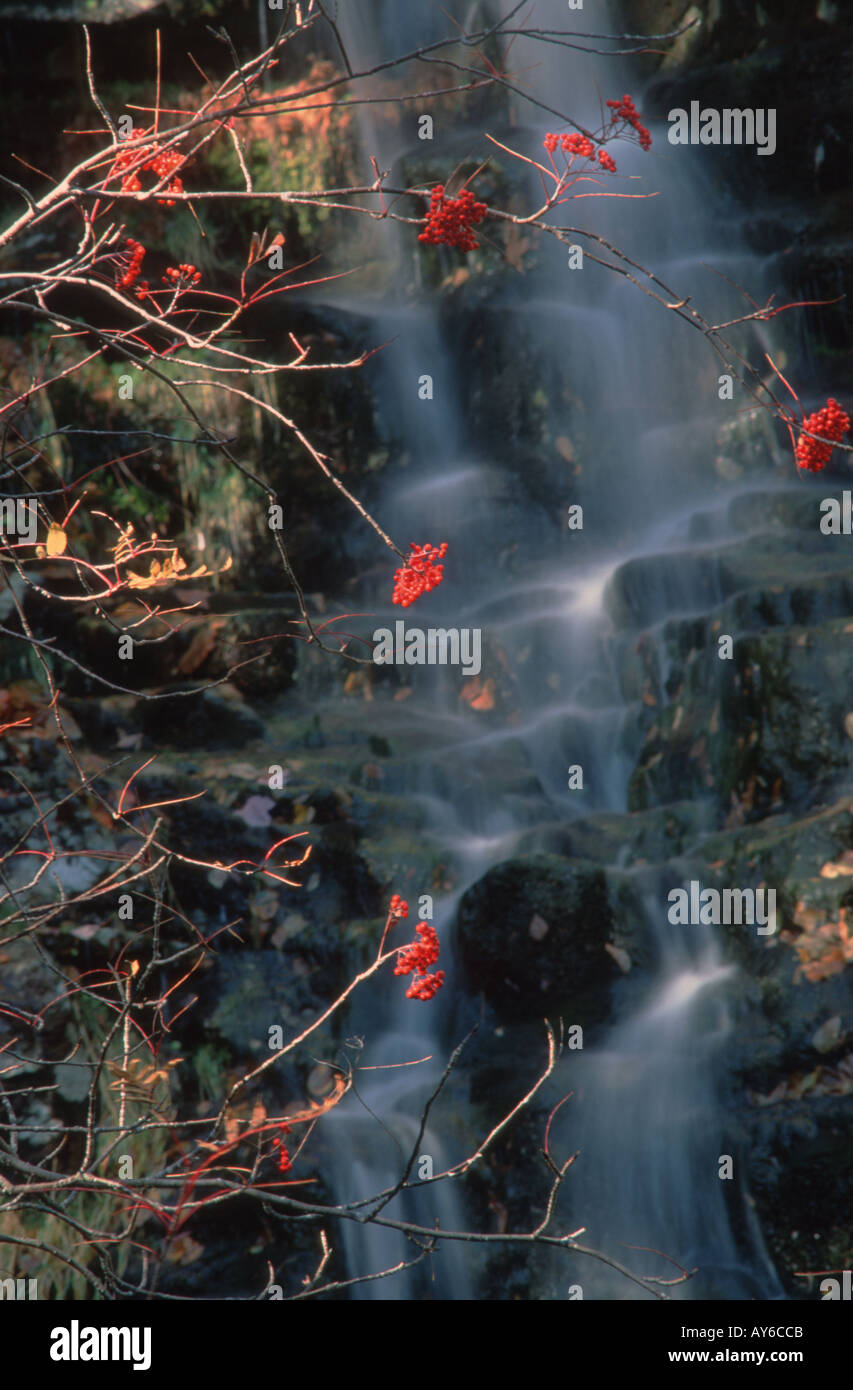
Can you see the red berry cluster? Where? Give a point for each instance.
(625, 110)
(419, 574)
(832, 423)
(416, 959)
(160, 163)
(420, 955)
(285, 1162)
(183, 275)
(426, 986)
(577, 144)
(398, 906)
(574, 144)
(136, 253)
(163, 164)
(449, 220)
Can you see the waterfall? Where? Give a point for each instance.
(647, 1116)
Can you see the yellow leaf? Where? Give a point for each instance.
(56, 540)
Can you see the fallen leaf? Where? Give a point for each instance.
(256, 810)
(129, 740)
(828, 1035)
(479, 694)
(359, 683)
(538, 928)
(621, 957)
(183, 1250)
(200, 647)
(292, 925)
(800, 1087)
(842, 867)
(264, 906)
(501, 1213)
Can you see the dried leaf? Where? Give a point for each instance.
(170, 571)
(479, 694)
(200, 647)
(804, 1084)
(56, 539)
(183, 1250)
(842, 868)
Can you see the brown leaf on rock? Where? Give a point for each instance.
(183, 1250)
(200, 647)
(480, 695)
(840, 868)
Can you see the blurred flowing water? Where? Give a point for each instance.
(647, 1115)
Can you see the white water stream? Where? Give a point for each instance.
(646, 1115)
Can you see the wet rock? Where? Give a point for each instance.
(761, 732)
(801, 1181)
(206, 720)
(255, 991)
(524, 972)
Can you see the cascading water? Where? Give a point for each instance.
(563, 610)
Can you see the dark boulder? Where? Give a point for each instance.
(532, 936)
